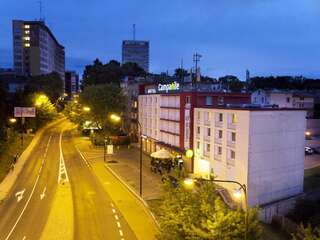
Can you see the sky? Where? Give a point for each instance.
(268, 37)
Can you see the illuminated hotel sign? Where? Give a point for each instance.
(174, 86)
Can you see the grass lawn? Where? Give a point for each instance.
(312, 179)
(8, 150)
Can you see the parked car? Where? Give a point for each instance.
(308, 150)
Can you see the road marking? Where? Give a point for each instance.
(119, 225)
(19, 195)
(30, 196)
(43, 194)
(120, 232)
(116, 217)
(111, 204)
(63, 175)
(113, 210)
(24, 238)
(83, 158)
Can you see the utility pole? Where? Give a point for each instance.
(134, 32)
(196, 60)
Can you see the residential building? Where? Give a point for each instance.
(36, 51)
(262, 148)
(166, 113)
(71, 83)
(284, 99)
(136, 52)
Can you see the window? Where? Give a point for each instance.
(232, 154)
(219, 150)
(27, 38)
(188, 99)
(220, 117)
(198, 145)
(220, 134)
(220, 101)
(234, 118)
(288, 99)
(26, 26)
(208, 132)
(27, 32)
(207, 116)
(198, 130)
(262, 99)
(255, 99)
(27, 45)
(233, 136)
(207, 147)
(208, 100)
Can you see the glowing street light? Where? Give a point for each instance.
(12, 120)
(86, 109)
(41, 99)
(237, 194)
(308, 133)
(115, 118)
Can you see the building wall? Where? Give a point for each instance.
(268, 150)
(136, 52)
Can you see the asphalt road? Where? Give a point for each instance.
(24, 213)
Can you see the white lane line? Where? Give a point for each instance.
(43, 194)
(63, 175)
(113, 210)
(19, 195)
(83, 158)
(116, 217)
(30, 196)
(111, 204)
(24, 238)
(118, 224)
(120, 232)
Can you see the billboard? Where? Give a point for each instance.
(24, 112)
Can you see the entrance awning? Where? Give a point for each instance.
(162, 154)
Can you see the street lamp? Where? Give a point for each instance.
(117, 118)
(189, 183)
(86, 109)
(12, 120)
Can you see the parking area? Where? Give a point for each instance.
(313, 160)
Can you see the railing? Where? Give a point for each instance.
(218, 140)
(207, 122)
(232, 126)
(206, 153)
(207, 138)
(230, 161)
(217, 157)
(218, 124)
(231, 144)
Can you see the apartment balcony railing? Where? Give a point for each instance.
(197, 136)
(230, 162)
(218, 140)
(188, 105)
(232, 126)
(231, 144)
(207, 138)
(217, 157)
(206, 122)
(218, 124)
(206, 154)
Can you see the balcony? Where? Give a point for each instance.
(232, 126)
(231, 144)
(218, 124)
(206, 154)
(207, 138)
(206, 122)
(197, 136)
(188, 105)
(218, 141)
(217, 157)
(230, 162)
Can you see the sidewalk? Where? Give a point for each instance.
(125, 163)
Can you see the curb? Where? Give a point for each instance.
(10, 179)
(135, 194)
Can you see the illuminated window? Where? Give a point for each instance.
(27, 26)
(27, 38)
(234, 118)
(27, 32)
(27, 45)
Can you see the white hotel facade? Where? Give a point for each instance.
(262, 148)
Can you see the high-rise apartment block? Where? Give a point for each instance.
(136, 52)
(36, 51)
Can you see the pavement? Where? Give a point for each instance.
(59, 194)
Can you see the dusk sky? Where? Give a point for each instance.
(268, 37)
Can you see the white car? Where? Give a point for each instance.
(308, 150)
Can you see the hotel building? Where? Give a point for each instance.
(262, 148)
(166, 115)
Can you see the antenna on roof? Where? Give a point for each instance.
(134, 31)
(40, 11)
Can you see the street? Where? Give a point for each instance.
(30, 209)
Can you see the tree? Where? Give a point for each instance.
(180, 72)
(201, 215)
(132, 69)
(103, 100)
(307, 233)
(50, 84)
(232, 83)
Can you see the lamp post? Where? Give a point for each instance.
(189, 183)
(117, 118)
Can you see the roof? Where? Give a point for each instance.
(252, 107)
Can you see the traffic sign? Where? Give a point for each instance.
(24, 112)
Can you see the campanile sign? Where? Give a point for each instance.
(174, 86)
